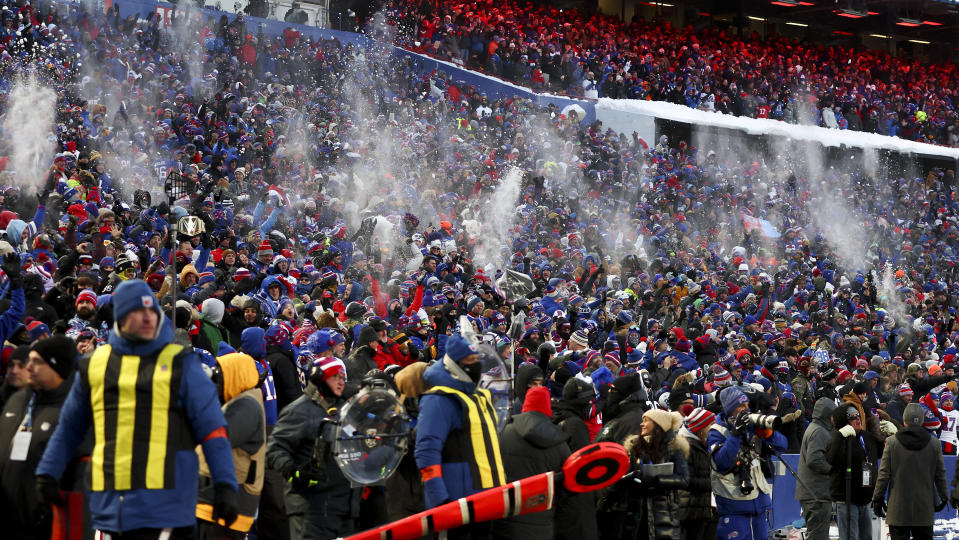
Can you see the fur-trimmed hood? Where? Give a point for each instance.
(674, 443)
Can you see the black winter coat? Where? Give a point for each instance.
(531, 445)
(286, 377)
(19, 509)
(695, 502)
(290, 449)
(838, 453)
(575, 512)
(657, 501)
(360, 361)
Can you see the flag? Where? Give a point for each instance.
(766, 228)
(513, 285)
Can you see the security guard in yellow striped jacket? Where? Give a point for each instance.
(149, 404)
(457, 447)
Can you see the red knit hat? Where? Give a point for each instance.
(264, 248)
(87, 295)
(330, 366)
(537, 399)
(699, 419)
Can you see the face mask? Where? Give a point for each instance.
(474, 371)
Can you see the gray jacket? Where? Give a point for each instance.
(814, 468)
(913, 470)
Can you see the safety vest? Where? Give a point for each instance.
(476, 442)
(728, 485)
(138, 424)
(249, 475)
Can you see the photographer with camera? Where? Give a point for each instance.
(320, 504)
(854, 455)
(738, 443)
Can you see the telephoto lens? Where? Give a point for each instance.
(768, 421)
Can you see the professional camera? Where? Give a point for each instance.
(767, 421)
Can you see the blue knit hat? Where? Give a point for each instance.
(731, 398)
(457, 348)
(131, 295)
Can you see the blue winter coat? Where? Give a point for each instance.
(125, 510)
(439, 416)
(724, 451)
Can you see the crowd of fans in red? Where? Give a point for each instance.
(761, 77)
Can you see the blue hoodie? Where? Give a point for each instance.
(148, 508)
(270, 306)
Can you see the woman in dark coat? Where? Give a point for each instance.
(531, 445)
(649, 508)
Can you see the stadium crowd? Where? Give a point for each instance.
(564, 51)
(339, 211)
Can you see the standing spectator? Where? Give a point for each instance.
(902, 397)
(17, 376)
(950, 424)
(532, 445)
(697, 518)
(136, 486)
(362, 358)
(10, 321)
(814, 469)
(853, 453)
(575, 512)
(28, 420)
(913, 471)
(246, 427)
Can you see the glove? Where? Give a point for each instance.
(879, 508)
(741, 422)
(792, 417)
(301, 481)
(648, 482)
(764, 433)
(224, 503)
(11, 267)
(48, 490)
(888, 427)
(847, 431)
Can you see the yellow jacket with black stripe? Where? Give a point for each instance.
(149, 404)
(456, 431)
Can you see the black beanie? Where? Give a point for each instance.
(59, 352)
(627, 384)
